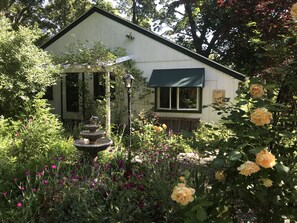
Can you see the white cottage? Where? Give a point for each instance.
(183, 81)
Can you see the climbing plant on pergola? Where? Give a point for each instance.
(90, 57)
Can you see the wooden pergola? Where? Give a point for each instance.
(99, 67)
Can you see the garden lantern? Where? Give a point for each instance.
(128, 79)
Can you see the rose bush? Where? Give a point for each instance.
(254, 168)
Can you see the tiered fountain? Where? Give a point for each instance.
(93, 140)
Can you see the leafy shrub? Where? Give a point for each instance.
(255, 165)
(25, 69)
(112, 191)
(32, 141)
(150, 135)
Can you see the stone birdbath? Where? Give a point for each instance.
(92, 140)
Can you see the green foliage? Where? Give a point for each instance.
(50, 16)
(208, 135)
(60, 13)
(25, 69)
(32, 141)
(150, 135)
(87, 53)
(95, 57)
(22, 12)
(237, 193)
(108, 192)
(54, 193)
(140, 12)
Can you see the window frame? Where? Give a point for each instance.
(198, 108)
(72, 92)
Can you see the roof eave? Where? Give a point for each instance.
(150, 34)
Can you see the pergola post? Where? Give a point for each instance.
(108, 107)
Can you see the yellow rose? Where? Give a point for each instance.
(267, 182)
(158, 129)
(182, 179)
(164, 126)
(219, 176)
(257, 90)
(265, 159)
(248, 168)
(294, 11)
(261, 117)
(182, 194)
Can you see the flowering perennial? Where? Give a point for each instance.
(160, 128)
(220, 176)
(265, 159)
(248, 168)
(261, 117)
(257, 90)
(267, 182)
(182, 194)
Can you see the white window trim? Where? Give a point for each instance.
(198, 98)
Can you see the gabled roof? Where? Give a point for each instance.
(147, 33)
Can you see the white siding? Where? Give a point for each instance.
(149, 54)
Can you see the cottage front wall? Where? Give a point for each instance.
(149, 54)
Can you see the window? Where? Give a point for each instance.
(49, 94)
(72, 92)
(179, 99)
(99, 85)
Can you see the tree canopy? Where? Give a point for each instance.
(232, 32)
(49, 16)
(140, 12)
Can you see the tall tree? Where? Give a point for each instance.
(22, 12)
(233, 32)
(50, 16)
(60, 13)
(140, 12)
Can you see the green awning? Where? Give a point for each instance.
(186, 77)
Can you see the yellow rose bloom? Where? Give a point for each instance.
(257, 90)
(267, 182)
(261, 117)
(182, 179)
(164, 126)
(265, 159)
(158, 129)
(220, 176)
(248, 168)
(182, 194)
(294, 11)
